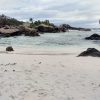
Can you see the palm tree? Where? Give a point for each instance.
(31, 20)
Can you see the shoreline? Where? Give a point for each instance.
(42, 51)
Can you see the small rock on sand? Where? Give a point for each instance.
(9, 48)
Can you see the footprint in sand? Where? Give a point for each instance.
(40, 62)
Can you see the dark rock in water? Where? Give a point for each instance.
(9, 48)
(93, 37)
(90, 52)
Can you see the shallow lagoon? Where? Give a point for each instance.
(52, 40)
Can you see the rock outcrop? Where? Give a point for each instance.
(79, 29)
(17, 31)
(90, 52)
(42, 28)
(28, 31)
(64, 27)
(68, 27)
(9, 32)
(93, 37)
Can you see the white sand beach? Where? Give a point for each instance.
(49, 49)
(49, 75)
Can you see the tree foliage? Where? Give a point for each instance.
(5, 20)
(37, 23)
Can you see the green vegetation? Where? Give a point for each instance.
(4, 20)
(37, 23)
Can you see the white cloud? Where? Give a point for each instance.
(76, 12)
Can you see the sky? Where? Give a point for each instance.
(81, 13)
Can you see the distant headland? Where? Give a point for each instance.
(13, 27)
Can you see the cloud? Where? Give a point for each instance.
(76, 12)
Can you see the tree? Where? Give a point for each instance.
(47, 22)
(5, 20)
(31, 20)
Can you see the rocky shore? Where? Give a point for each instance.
(12, 27)
(17, 32)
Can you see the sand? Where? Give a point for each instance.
(27, 74)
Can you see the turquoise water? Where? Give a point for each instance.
(68, 39)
